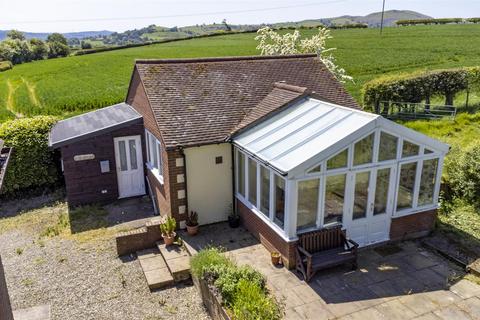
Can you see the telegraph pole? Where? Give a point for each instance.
(383, 13)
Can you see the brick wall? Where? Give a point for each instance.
(268, 237)
(412, 226)
(83, 179)
(5, 306)
(139, 239)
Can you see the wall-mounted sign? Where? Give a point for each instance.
(105, 166)
(83, 157)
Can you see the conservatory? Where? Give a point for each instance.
(316, 165)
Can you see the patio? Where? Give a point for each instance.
(403, 281)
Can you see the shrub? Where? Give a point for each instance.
(205, 259)
(32, 164)
(230, 276)
(5, 65)
(251, 303)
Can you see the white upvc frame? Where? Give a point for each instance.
(156, 172)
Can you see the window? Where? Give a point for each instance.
(265, 191)
(123, 156)
(381, 191)
(406, 185)
(241, 173)
(315, 169)
(360, 203)
(154, 154)
(409, 149)
(133, 154)
(338, 161)
(388, 147)
(307, 203)
(428, 151)
(279, 201)
(334, 198)
(252, 181)
(363, 150)
(427, 182)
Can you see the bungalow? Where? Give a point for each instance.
(275, 139)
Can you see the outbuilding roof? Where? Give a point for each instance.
(202, 101)
(92, 123)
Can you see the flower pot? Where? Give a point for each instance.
(169, 239)
(192, 230)
(234, 222)
(275, 258)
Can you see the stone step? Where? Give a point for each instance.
(155, 269)
(177, 260)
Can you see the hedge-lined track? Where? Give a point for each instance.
(76, 84)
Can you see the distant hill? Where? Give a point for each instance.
(68, 35)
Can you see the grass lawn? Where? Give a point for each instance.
(76, 84)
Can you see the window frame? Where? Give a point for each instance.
(157, 172)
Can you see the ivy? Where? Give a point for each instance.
(32, 164)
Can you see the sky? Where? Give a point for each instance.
(121, 15)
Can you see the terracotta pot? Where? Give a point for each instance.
(275, 258)
(192, 230)
(169, 240)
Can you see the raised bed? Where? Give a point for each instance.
(211, 300)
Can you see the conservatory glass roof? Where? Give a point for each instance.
(301, 132)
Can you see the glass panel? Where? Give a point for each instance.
(133, 154)
(315, 169)
(265, 191)
(338, 161)
(160, 162)
(409, 149)
(363, 151)
(388, 147)
(123, 155)
(252, 182)
(381, 191)
(241, 173)
(307, 203)
(427, 151)
(334, 198)
(147, 142)
(427, 182)
(153, 151)
(360, 202)
(406, 185)
(279, 217)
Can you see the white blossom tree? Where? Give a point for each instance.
(273, 43)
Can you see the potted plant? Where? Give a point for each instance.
(275, 257)
(167, 227)
(192, 223)
(233, 219)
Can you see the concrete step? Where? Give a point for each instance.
(155, 269)
(177, 260)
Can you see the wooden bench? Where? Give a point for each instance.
(322, 249)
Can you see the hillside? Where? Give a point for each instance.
(68, 35)
(75, 84)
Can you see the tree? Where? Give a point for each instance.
(15, 50)
(57, 49)
(86, 45)
(57, 37)
(227, 27)
(273, 43)
(15, 34)
(39, 50)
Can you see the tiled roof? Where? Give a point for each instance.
(201, 101)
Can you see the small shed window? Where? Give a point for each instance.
(307, 203)
(279, 201)
(388, 147)
(363, 150)
(427, 182)
(409, 149)
(406, 186)
(154, 155)
(265, 191)
(334, 198)
(241, 173)
(252, 181)
(338, 161)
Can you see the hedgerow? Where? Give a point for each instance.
(412, 22)
(32, 164)
(418, 86)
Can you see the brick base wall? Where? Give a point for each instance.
(268, 237)
(412, 226)
(139, 239)
(5, 306)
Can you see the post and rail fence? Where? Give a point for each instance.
(395, 110)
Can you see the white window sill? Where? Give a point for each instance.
(407, 212)
(155, 172)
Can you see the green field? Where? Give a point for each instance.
(76, 84)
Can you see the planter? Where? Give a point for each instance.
(275, 258)
(234, 221)
(169, 240)
(192, 230)
(210, 300)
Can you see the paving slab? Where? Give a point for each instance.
(419, 303)
(152, 263)
(465, 289)
(171, 252)
(395, 310)
(147, 253)
(159, 278)
(452, 312)
(35, 313)
(180, 268)
(471, 306)
(314, 311)
(428, 316)
(366, 314)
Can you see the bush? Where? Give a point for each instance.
(252, 303)
(413, 22)
(229, 278)
(32, 164)
(5, 65)
(205, 259)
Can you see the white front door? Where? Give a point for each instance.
(129, 164)
(370, 210)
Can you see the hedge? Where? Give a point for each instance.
(474, 20)
(418, 86)
(349, 26)
(32, 165)
(412, 22)
(5, 65)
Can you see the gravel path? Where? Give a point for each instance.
(87, 281)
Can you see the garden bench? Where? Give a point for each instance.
(322, 249)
